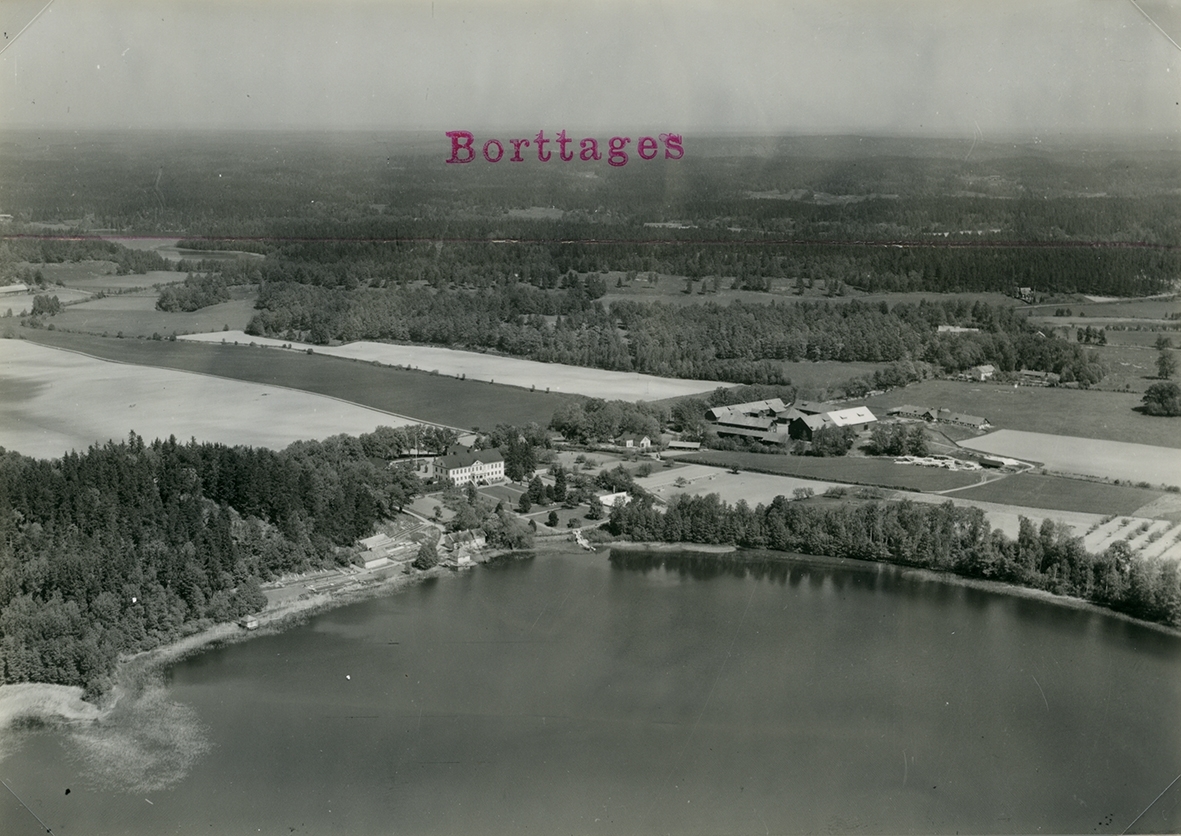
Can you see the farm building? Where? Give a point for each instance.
(941, 415)
(14, 289)
(677, 444)
(853, 417)
(812, 407)
(1027, 377)
(771, 408)
(474, 466)
(635, 442)
(984, 372)
(959, 419)
(804, 426)
(921, 413)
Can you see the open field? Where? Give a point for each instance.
(167, 248)
(425, 397)
(528, 374)
(144, 242)
(1120, 309)
(1059, 494)
(700, 480)
(20, 303)
(858, 470)
(1130, 368)
(762, 488)
(54, 401)
(1145, 337)
(825, 374)
(135, 315)
(101, 275)
(1075, 412)
(1086, 456)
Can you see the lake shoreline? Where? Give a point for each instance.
(916, 572)
(37, 703)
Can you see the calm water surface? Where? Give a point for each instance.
(562, 695)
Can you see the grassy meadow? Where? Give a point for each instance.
(1074, 412)
(857, 470)
(1058, 494)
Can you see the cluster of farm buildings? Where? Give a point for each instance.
(773, 422)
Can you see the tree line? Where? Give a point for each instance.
(484, 253)
(58, 250)
(129, 545)
(741, 342)
(941, 537)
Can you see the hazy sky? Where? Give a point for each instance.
(1024, 67)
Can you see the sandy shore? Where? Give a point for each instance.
(42, 702)
(696, 548)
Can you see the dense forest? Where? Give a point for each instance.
(130, 545)
(941, 537)
(381, 252)
(739, 342)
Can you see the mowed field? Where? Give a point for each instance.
(527, 374)
(1074, 412)
(700, 480)
(1059, 494)
(135, 315)
(756, 488)
(423, 396)
(52, 401)
(1086, 456)
(856, 470)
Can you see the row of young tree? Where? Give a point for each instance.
(129, 545)
(940, 537)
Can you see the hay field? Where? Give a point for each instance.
(1087, 456)
(1073, 412)
(1058, 494)
(859, 470)
(701, 480)
(52, 401)
(527, 374)
(135, 315)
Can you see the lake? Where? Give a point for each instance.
(661, 693)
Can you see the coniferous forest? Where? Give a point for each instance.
(130, 545)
